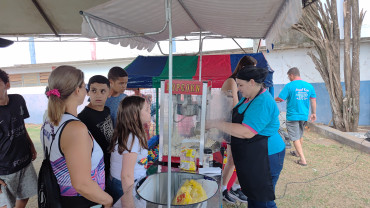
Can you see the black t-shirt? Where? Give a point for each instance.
(100, 125)
(15, 148)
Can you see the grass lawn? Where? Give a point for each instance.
(34, 132)
(336, 175)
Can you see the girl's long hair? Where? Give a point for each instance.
(244, 61)
(65, 79)
(129, 122)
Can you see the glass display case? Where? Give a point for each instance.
(192, 105)
(192, 147)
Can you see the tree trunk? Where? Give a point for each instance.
(320, 24)
(337, 107)
(326, 39)
(335, 95)
(355, 82)
(347, 63)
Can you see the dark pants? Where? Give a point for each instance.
(76, 202)
(276, 165)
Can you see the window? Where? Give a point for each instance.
(29, 80)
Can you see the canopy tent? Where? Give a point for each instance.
(36, 18)
(146, 22)
(142, 70)
(147, 71)
(252, 18)
(141, 24)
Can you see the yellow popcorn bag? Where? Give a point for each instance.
(187, 159)
(190, 192)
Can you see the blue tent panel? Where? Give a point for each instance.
(143, 69)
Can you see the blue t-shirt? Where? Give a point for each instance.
(298, 93)
(262, 117)
(112, 103)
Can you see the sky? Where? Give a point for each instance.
(50, 52)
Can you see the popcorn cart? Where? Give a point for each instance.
(190, 103)
(191, 181)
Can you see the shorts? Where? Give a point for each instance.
(295, 129)
(20, 185)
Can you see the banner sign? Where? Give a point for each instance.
(191, 87)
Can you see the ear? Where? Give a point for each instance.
(252, 82)
(77, 90)
(7, 85)
(110, 92)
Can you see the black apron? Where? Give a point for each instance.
(252, 162)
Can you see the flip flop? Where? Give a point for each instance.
(293, 153)
(300, 163)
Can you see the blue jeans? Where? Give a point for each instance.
(115, 189)
(276, 165)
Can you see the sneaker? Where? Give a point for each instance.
(238, 195)
(226, 197)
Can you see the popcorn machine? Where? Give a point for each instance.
(190, 104)
(189, 185)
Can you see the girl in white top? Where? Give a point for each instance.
(129, 148)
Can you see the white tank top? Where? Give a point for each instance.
(58, 161)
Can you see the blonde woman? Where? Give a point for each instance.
(129, 150)
(75, 156)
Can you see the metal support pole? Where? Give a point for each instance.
(170, 121)
(200, 55)
(156, 111)
(203, 122)
(46, 18)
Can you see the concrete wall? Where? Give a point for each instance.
(323, 110)
(90, 68)
(282, 60)
(279, 60)
(36, 100)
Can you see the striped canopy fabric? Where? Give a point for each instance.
(147, 71)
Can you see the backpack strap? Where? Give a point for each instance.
(47, 152)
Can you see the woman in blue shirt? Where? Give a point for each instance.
(257, 148)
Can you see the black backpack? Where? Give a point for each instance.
(48, 188)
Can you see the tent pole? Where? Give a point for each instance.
(156, 111)
(170, 117)
(200, 54)
(239, 45)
